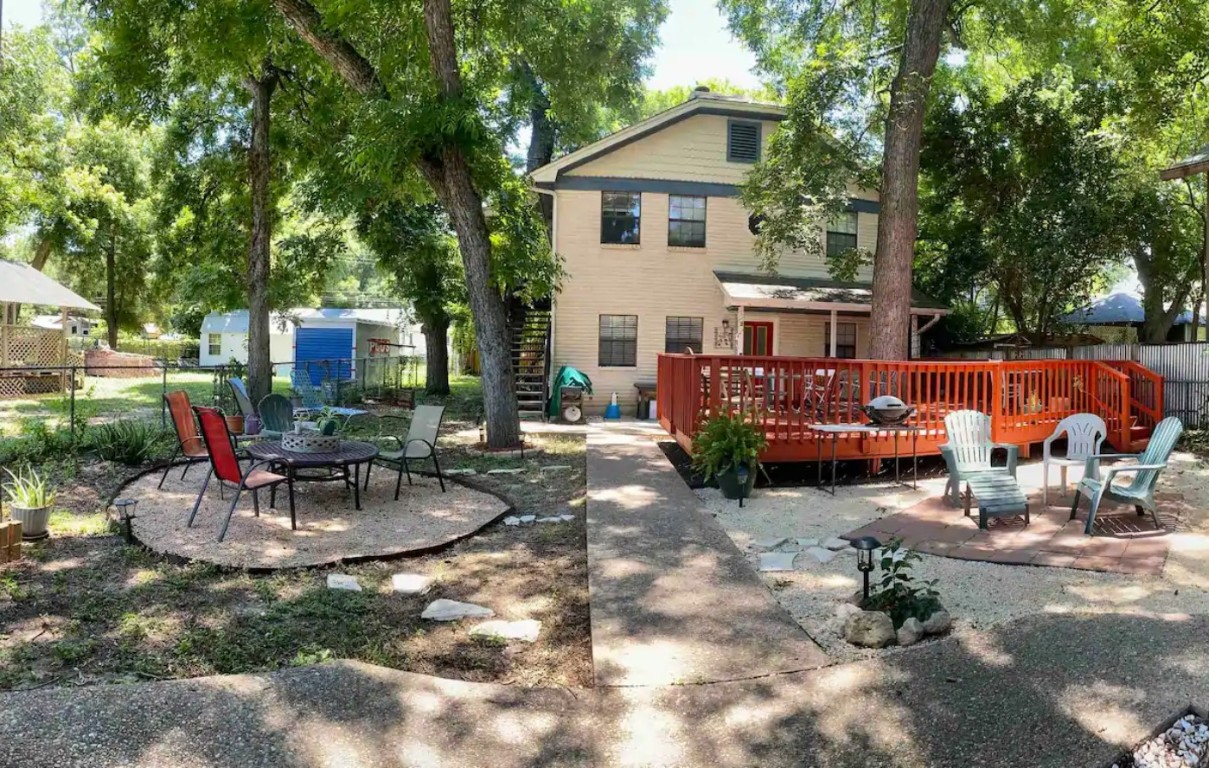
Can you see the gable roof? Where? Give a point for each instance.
(699, 103)
(236, 321)
(1118, 308)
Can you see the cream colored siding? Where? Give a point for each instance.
(693, 149)
(654, 282)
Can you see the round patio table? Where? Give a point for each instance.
(352, 453)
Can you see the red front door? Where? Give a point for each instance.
(757, 338)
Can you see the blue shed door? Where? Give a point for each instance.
(327, 350)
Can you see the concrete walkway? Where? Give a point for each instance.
(673, 600)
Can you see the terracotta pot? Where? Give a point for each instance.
(35, 521)
(235, 424)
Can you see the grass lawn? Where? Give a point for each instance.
(85, 607)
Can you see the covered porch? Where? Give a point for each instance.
(787, 395)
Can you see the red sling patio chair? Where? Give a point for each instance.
(189, 443)
(225, 465)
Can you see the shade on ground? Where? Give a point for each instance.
(330, 529)
(1124, 542)
(673, 600)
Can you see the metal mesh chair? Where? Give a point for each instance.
(419, 445)
(189, 443)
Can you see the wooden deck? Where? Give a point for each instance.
(786, 395)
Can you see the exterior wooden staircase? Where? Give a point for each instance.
(530, 339)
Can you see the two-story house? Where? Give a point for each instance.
(659, 252)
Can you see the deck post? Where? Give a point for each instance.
(997, 409)
(739, 332)
(715, 384)
(834, 333)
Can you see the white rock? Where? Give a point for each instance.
(460, 471)
(410, 583)
(821, 555)
(770, 543)
(911, 632)
(777, 561)
(527, 518)
(514, 471)
(452, 610)
(938, 623)
(525, 631)
(566, 518)
(807, 543)
(512, 520)
(835, 544)
(556, 468)
(343, 581)
(844, 610)
(553, 519)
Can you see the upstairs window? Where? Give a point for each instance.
(845, 340)
(618, 341)
(841, 235)
(686, 221)
(742, 141)
(683, 335)
(620, 216)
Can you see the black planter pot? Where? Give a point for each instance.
(728, 483)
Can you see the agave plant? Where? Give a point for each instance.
(28, 490)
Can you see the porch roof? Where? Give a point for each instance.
(808, 294)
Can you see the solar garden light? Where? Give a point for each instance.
(865, 546)
(125, 508)
(742, 473)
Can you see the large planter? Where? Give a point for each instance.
(728, 483)
(235, 424)
(35, 521)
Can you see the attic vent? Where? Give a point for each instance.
(742, 142)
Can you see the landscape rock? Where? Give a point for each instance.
(527, 518)
(343, 581)
(452, 610)
(524, 631)
(410, 583)
(821, 555)
(566, 518)
(938, 623)
(911, 632)
(844, 610)
(514, 471)
(512, 520)
(835, 544)
(777, 561)
(771, 543)
(869, 629)
(552, 519)
(807, 543)
(459, 471)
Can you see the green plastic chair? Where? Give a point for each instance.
(1139, 492)
(969, 450)
(276, 415)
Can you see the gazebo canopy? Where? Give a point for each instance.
(22, 284)
(1189, 166)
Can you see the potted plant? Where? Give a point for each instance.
(235, 423)
(30, 498)
(328, 422)
(725, 445)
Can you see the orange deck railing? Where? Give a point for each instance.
(786, 395)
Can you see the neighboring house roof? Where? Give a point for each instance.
(236, 321)
(22, 284)
(763, 291)
(1118, 308)
(699, 103)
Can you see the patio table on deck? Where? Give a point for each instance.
(351, 453)
(835, 430)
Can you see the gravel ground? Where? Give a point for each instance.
(329, 528)
(977, 594)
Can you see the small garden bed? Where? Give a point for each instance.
(1183, 744)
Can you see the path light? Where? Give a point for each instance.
(125, 508)
(865, 547)
(742, 473)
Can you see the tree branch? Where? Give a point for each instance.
(348, 62)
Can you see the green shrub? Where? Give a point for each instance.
(127, 442)
(898, 593)
(727, 440)
(37, 444)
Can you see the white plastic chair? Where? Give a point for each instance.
(1084, 433)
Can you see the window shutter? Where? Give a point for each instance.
(742, 142)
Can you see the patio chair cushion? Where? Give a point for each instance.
(259, 478)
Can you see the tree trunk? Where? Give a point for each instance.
(449, 175)
(541, 140)
(447, 171)
(897, 221)
(1157, 320)
(260, 371)
(111, 303)
(436, 350)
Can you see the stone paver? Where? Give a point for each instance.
(1124, 542)
(673, 600)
